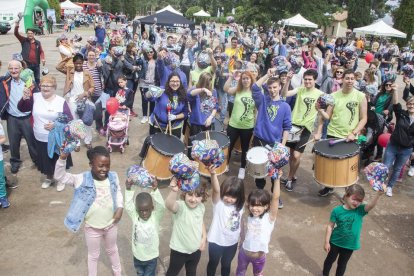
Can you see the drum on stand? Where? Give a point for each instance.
(162, 148)
(337, 165)
(223, 141)
(257, 160)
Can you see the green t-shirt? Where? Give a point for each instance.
(345, 116)
(379, 107)
(348, 225)
(187, 228)
(304, 113)
(242, 116)
(145, 234)
(195, 75)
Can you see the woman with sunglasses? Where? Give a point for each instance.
(148, 79)
(383, 105)
(400, 146)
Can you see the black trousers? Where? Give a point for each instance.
(344, 256)
(97, 115)
(186, 69)
(18, 128)
(178, 260)
(223, 253)
(245, 136)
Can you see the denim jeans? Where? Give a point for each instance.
(145, 268)
(394, 158)
(222, 103)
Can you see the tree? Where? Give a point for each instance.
(192, 10)
(404, 18)
(359, 13)
(130, 8)
(117, 6)
(54, 4)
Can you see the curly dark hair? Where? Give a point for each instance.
(182, 95)
(97, 151)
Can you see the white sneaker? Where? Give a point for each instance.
(144, 120)
(411, 171)
(242, 173)
(60, 186)
(389, 191)
(46, 184)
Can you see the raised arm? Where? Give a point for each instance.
(227, 88)
(274, 204)
(285, 92)
(373, 202)
(215, 185)
(171, 200)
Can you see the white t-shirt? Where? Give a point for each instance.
(1, 134)
(258, 233)
(77, 88)
(43, 113)
(225, 227)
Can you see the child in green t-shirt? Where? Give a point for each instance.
(344, 228)
(189, 236)
(146, 211)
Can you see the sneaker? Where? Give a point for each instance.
(133, 114)
(289, 186)
(280, 204)
(5, 148)
(242, 173)
(411, 171)
(285, 180)
(375, 188)
(325, 191)
(12, 182)
(14, 169)
(4, 202)
(389, 191)
(46, 184)
(144, 120)
(60, 186)
(399, 179)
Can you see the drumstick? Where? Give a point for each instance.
(313, 140)
(334, 142)
(169, 121)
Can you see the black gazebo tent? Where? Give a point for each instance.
(168, 19)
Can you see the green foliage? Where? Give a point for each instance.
(404, 19)
(54, 4)
(116, 6)
(359, 13)
(192, 10)
(130, 7)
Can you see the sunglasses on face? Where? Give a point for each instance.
(339, 72)
(388, 84)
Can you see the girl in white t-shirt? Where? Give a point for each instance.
(224, 233)
(257, 231)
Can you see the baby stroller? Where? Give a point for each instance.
(117, 131)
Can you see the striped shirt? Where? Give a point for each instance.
(96, 75)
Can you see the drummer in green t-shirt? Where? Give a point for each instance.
(303, 116)
(348, 116)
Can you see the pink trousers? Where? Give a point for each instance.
(93, 241)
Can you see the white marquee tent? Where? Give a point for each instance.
(169, 8)
(70, 8)
(202, 13)
(299, 21)
(380, 28)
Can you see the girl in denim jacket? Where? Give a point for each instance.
(98, 201)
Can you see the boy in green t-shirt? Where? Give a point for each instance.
(347, 117)
(303, 115)
(344, 228)
(146, 213)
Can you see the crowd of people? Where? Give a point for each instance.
(257, 83)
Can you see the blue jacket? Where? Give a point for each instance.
(83, 199)
(164, 71)
(199, 108)
(160, 111)
(273, 117)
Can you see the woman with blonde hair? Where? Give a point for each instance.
(242, 118)
(203, 103)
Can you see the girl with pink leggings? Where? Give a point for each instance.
(97, 201)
